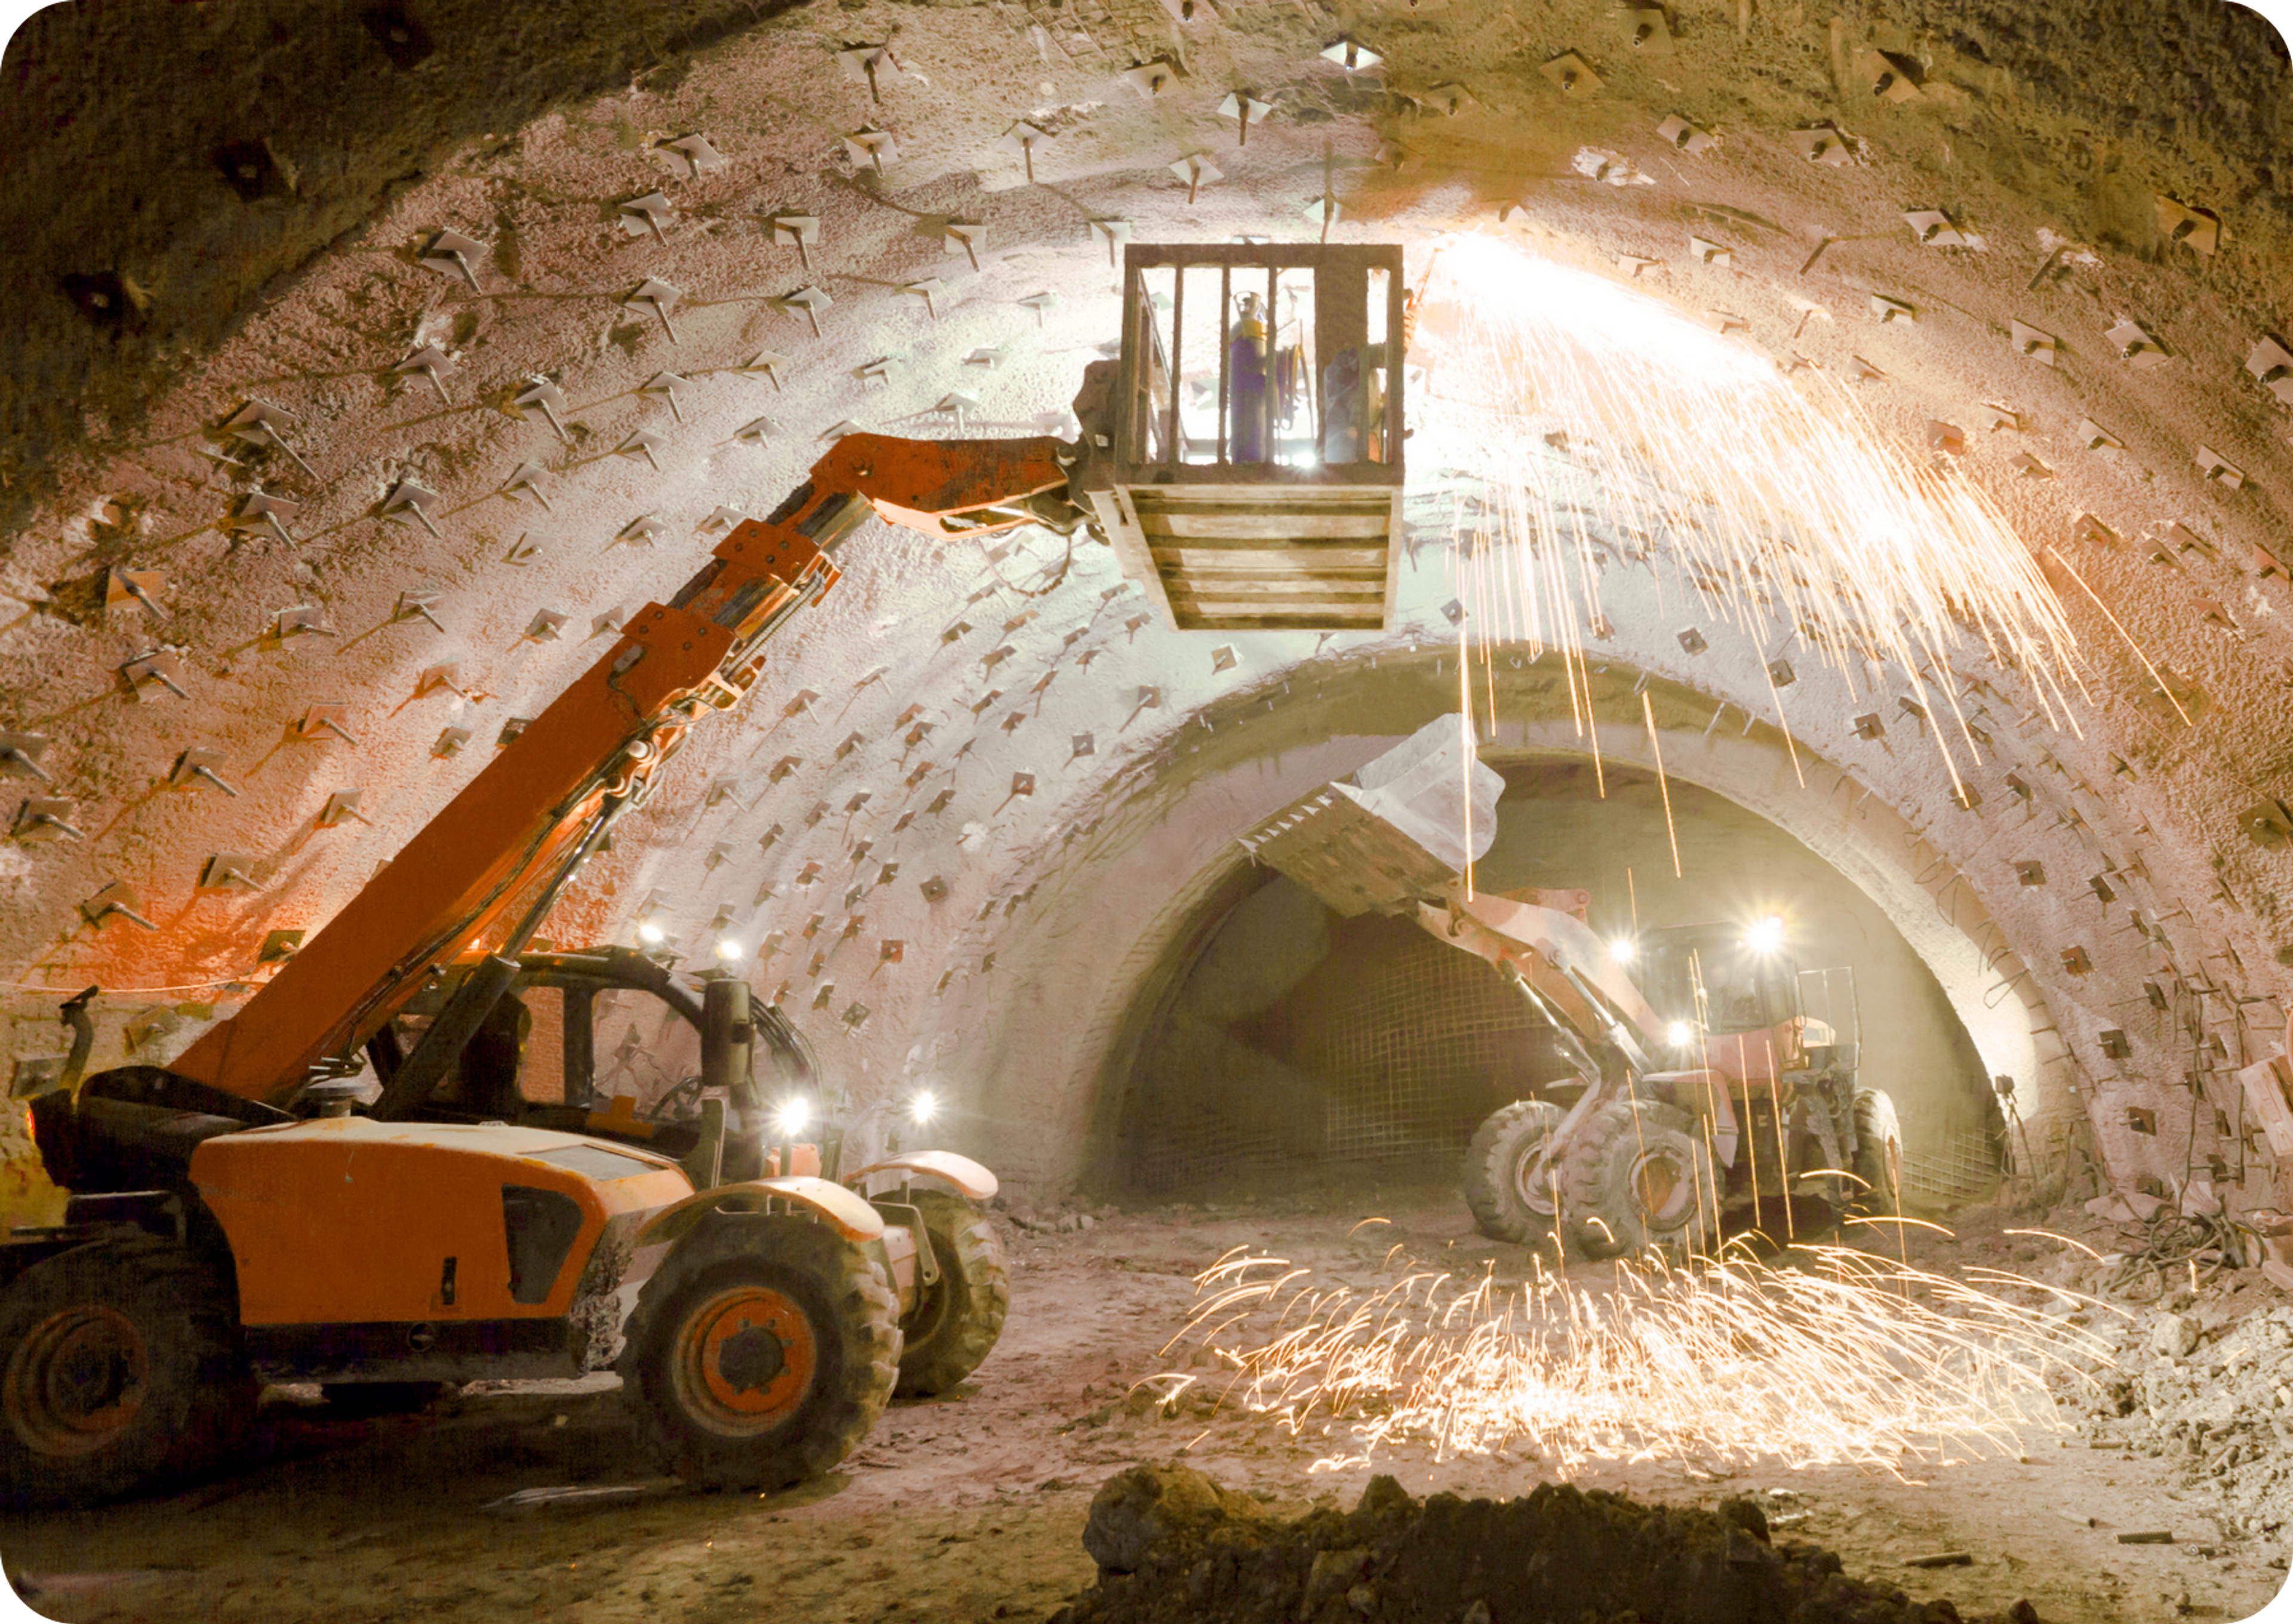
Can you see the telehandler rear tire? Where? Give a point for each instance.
(117, 1372)
(760, 1353)
(1878, 1157)
(957, 1318)
(1637, 1175)
(1508, 1205)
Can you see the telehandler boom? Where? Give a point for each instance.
(230, 1219)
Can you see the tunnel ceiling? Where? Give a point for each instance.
(274, 438)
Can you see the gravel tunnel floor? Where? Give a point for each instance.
(526, 1501)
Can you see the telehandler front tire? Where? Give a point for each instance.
(1509, 1205)
(1637, 1175)
(760, 1353)
(957, 1318)
(117, 1372)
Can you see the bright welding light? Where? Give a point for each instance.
(1765, 936)
(792, 1117)
(1680, 1034)
(651, 934)
(924, 1107)
(729, 950)
(1623, 948)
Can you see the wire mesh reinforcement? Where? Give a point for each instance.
(1405, 1068)
(1412, 1068)
(1965, 1169)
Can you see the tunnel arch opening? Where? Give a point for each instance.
(1276, 1045)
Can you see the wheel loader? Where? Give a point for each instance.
(1700, 1084)
(425, 1151)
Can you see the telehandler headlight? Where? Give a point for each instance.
(1765, 936)
(730, 950)
(651, 934)
(924, 1107)
(1680, 1034)
(1623, 948)
(792, 1118)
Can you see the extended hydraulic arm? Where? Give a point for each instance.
(483, 871)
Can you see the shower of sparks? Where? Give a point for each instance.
(1656, 749)
(1782, 507)
(1716, 1366)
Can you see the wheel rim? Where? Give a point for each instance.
(932, 1302)
(1535, 1193)
(746, 1357)
(76, 1381)
(1663, 1188)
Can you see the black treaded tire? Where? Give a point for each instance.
(1501, 1149)
(760, 1353)
(1637, 1175)
(1878, 1157)
(119, 1371)
(956, 1319)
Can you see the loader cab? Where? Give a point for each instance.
(1707, 982)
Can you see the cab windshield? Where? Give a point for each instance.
(1704, 975)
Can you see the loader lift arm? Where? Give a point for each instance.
(483, 872)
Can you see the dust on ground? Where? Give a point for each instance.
(529, 1500)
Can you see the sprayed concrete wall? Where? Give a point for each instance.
(963, 672)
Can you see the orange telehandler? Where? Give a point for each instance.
(234, 1217)
(237, 1216)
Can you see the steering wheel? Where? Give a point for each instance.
(681, 1104)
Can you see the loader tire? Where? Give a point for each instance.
(119, 1371)
(760, 1353)
(1637, 1175)
(957, 1318)
(1507, 1205)
(1878, 1157)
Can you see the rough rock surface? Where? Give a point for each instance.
(1173, 1545)
(2225, 1400)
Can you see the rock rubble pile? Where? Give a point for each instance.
(2216, 1390)
(1172, 1546)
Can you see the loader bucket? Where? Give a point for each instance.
(1399, 831)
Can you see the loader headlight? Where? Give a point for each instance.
(651, 934)
(792, 1118)
(730, 950)
(1680, 1034)
(1765, 936)
(1623, 948)
(924, 1107)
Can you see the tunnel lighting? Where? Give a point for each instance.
(924, 1107)
(1622, 950)
(1765, 936)
(792, 1117)
(651, 934)
(1680, 1034)
(729, 950)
